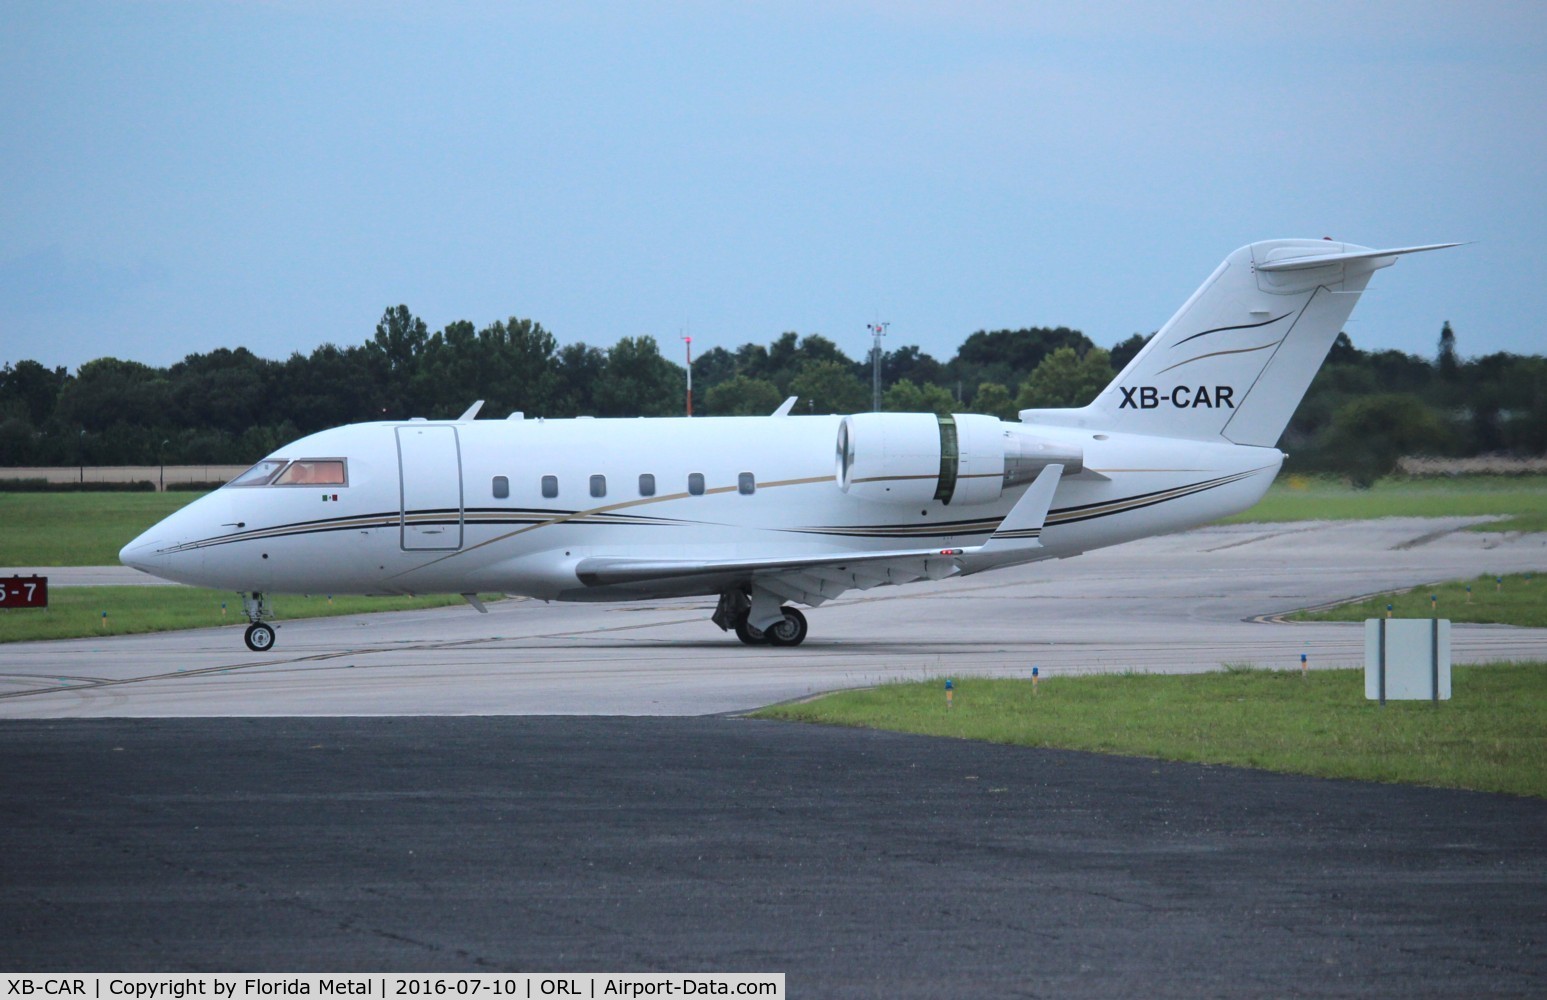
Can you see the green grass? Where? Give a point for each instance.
(76, 612)
(1521, 599)
(77, 529)
(1491, 736)
(1522, 500)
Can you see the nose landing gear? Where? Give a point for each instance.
(260, 634)
(259, 637)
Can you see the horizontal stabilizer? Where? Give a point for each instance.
(1322, 260)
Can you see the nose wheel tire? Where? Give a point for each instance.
(260, 637)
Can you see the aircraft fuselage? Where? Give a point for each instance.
(718, 488)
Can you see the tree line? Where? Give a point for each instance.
(230, 406)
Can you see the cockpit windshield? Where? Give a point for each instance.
(301, 472)
(313, 472)
(260, 474)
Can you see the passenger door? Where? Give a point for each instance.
(430, 473)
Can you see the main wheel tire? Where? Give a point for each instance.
(789, 632)
(749, 635)
(260, 637)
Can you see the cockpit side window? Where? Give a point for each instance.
(261, 474)
(314, 472)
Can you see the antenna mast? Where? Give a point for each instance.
(877, 331)
(688, 341)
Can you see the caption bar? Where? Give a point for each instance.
(224, 986)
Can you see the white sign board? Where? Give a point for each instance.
(1407, 659)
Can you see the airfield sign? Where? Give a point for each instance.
(24, 592)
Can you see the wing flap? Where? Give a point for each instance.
(809, 580)
(601, 571)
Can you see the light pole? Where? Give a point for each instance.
(689, 342)
(877, 331)
(161, 455)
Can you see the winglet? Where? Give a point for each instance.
(785, 407)
(471, 412)
(1022, 528)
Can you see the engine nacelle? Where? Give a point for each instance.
(964, 458)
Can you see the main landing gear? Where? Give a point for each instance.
(790, 631)
(735, 612)
(260, 634)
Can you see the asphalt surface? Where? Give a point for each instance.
(862, 864)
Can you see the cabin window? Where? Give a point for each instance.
(696, 483)
(646, 484)
(746, 484)
(550, 486)
(501, 487)
(313, 472)
(598, 486)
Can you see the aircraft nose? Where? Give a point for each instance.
(142, 554)
(165, 554)
(170, 548)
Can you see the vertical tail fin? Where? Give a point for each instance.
(1235, 360)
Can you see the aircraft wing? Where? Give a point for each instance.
(810, 579)
(815, 579)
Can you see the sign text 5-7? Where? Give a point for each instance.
(24, 592)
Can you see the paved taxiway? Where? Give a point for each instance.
(1177, 603)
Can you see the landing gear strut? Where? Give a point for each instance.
(260, 635)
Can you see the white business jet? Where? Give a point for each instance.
(769, 512)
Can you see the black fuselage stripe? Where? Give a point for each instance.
(1072, 516)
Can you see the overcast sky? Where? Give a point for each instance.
(178, 177)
